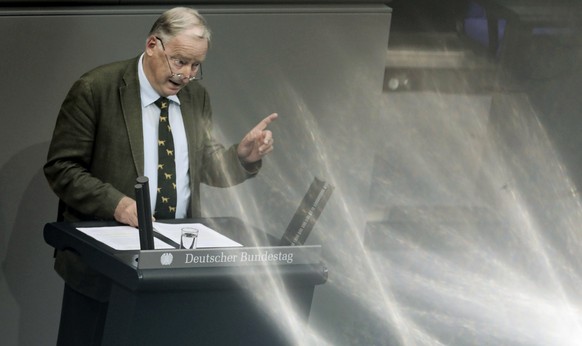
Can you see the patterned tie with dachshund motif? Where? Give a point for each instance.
(166, 194)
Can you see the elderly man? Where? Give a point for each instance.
(144, 116)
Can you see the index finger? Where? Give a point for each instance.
(265, 122)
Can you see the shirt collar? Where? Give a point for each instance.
(147, 92)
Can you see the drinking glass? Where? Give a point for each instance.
(189, 238)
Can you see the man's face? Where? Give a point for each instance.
(186, 50)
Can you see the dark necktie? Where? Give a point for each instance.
(166, 195)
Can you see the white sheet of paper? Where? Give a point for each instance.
(127, 238)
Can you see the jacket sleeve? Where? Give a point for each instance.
(70, 154)
(221, 167)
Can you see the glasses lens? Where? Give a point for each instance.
(178, 77)
(197, 73)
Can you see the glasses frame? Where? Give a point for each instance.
(197, 76)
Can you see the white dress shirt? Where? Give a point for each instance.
(151, 116)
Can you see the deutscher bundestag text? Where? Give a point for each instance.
(242, 257)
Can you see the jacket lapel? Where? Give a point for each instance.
(187, 109)
(131, 108)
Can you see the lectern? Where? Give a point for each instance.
(197, 297)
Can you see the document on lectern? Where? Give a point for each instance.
(166, 236)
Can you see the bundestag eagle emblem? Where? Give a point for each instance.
(166, 259)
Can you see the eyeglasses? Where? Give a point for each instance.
(179, 64)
